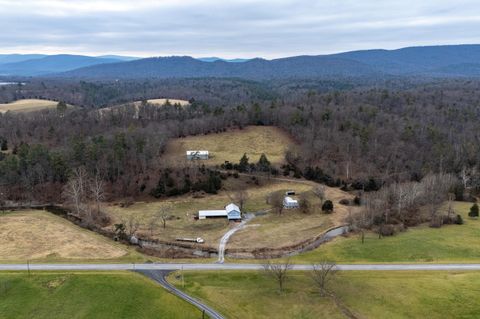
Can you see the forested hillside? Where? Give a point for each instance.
(363, 137)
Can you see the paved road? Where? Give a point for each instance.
(201, 267)
(228, 234)
(159, 276)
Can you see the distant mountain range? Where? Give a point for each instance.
(213, 59)
(50, 64)
(434, 61)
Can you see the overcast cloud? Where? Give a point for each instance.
(232, 28)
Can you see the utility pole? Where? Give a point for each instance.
(28, 267)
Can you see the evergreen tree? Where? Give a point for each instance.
(4, 144)
(243, 165)
(327, 207)
(263, 164)
(473, 211)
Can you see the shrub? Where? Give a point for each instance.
(387, 230)
(345, 202)
(459, 220)
(327, 207)
(357, 201)
(473, 211)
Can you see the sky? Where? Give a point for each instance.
(232, 28)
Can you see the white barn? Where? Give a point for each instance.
(231, 211)
(289, 203)
(197, 155)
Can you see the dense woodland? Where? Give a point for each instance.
(349, 133)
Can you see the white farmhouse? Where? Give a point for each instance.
(231, 211)
(289, 203)
(197, 155)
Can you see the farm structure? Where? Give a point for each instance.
(197, 155)
(290, 203)
(231, 211)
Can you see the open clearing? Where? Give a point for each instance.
(451, 243)
(38, 235)
(87, 295)
(162, 102)
(28, 105)
(269, 230)
(399, 294)
(231, 145)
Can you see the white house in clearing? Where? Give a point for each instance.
(231, 211)
(197, 155)
(289, 203)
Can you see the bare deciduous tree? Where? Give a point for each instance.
(319, 191)
(322, 273)
(240, 197)
(132, 225)
(304, 204)
(96, 186)
(75, 189)
(276, 200)
(278, 271)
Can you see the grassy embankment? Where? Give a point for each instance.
(451, 243)
(366, 294)
(87, 295)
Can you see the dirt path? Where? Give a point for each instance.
(226, 237)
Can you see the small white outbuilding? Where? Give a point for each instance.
(289, 203)
(197, 155)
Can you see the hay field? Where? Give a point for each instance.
(162, 102)
(41, 235)
(231, 145)
(28, 105)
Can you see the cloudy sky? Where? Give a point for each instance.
(232, 28)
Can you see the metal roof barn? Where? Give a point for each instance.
(231, 211)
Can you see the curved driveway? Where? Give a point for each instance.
(159, 277)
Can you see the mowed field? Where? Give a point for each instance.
(231, 145)
(28, 105)
(451, 243)
(38, 235)
(269, 230)
(394, 294)
(51, 295)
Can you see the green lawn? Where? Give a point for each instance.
(366, 294)
(52, 295)
(452, 243)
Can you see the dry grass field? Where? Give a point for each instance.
(28, 105)
(270, 230)
(293, 226)
(231, 145)
(41, 235)
(162, 102)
